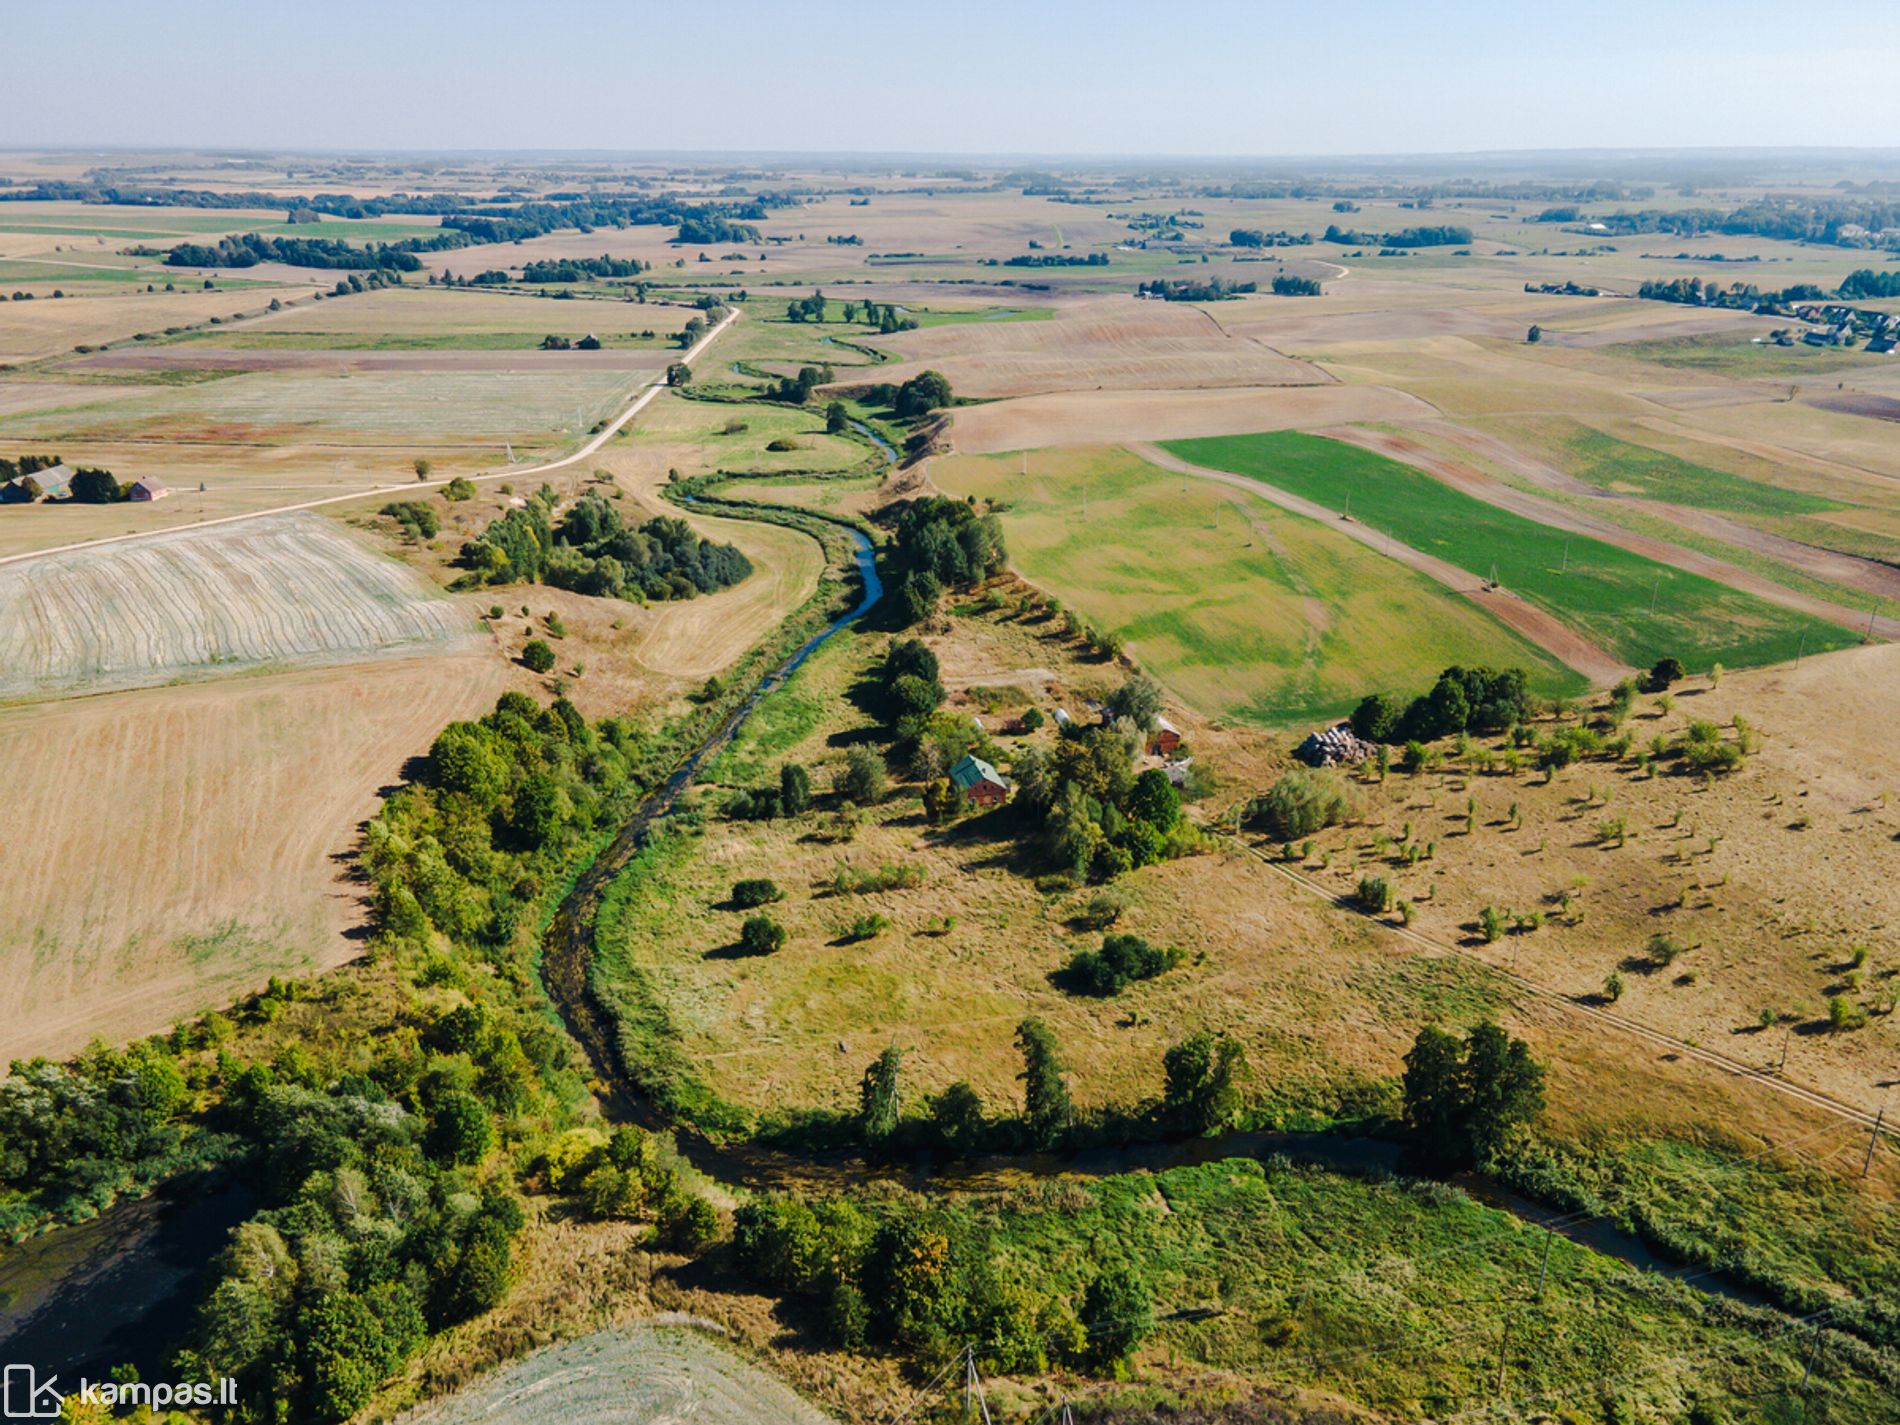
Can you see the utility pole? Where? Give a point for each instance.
(1801, 648)
(1870, 621)
(1814, 1349)
(973, 1401)
(1786, 1039)
(1566, 568)
(1504, 1344)
(1068, 1415)
(1543, 1270)
(1346, 514)
(1653, 593)
(1873, 1139)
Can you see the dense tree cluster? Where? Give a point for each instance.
(74, 1136)
(462, 851)
(580, 269)
(593, 552)
(1304, 800)
(1100, 817)
(380, 1227)
(807, 309)
(1254, 237)
(927, 1279)
(1464, 1099)
(1122, 960)
(1057, 259)
(797, 390)
(1183, 289)
(937, 544)
(705, 229)
(93, 486)
(1462, 700)
(1443, 236)
(253, 248)
(1865, 282)
(1287, 285)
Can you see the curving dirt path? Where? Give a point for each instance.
(1858, 573)
(1548, 633)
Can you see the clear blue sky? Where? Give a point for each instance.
(1222, 77)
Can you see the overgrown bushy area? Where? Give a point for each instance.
(73, 1137)
(1261, 1267)
(503, 802)
(593, 551)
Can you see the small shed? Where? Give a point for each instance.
(981, 784)
(1164, 739)
(1063, 719)
(146, 488)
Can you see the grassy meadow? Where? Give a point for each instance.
(1637, 608)
(1254, 613)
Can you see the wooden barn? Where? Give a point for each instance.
(1165, 738)
(981, 784)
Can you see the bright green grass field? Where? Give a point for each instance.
(1613, 464)
(1601, 590)
(1271, 617)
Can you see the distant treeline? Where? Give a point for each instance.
(1188, 290)
(1694, 292)
(1865, 282)
(579, 269)
(464, 222)
(1819, 220)
(1404, 237)
(1055, 259)
(1286, 285)
(1253, 237)
(253, 248)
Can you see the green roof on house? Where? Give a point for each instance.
(973, 769)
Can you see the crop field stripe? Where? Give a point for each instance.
(1602, 590)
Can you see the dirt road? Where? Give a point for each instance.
(1546, 632)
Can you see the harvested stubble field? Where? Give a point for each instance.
(1773, 883)
(283, 589)
(30, 331)
(411, 410)
(449, 314)
(223, 811)
(625, 1376)
(1636, 608)
(1251, 612)
(1111, 343)
(1117, 417)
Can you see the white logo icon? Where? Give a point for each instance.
(27, 1397)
